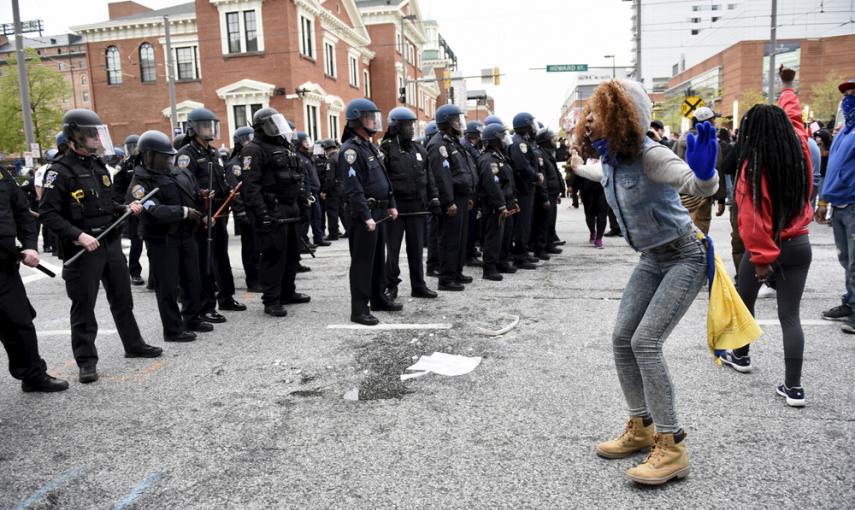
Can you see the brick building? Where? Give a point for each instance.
(722, 78)
(65, 54)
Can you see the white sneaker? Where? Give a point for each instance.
(766, 292)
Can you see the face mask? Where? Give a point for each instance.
(848, 106)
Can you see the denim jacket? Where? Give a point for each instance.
(649, 213)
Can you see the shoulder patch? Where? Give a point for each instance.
(49, 178)
(106, 180)
(183, 161)
(523, 148)
(350, 156)
(236, 169)
(138, 191)
(494, 167)
(443, 151)
(351, 172)
(247, 163)
(418, 156)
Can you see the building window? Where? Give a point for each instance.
(114, 66)
(307, 36)
(83, 80)
(243, 114)
(312, 121)
(329, 59)
(147, 69)
(695, 31)
(716, 7)
(715, 18)
(694, 20)
(81, 64)
(187, 63)
(233, 31)
(250, 26)
(366, 82)
(398, 43)
(61, 66)
(85, 96)
(353, 67)
(731, 7)
(333, 118)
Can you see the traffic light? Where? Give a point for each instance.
(402, 95)
(496, 79)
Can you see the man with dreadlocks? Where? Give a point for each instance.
(773, 190)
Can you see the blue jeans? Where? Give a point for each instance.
(843, 224)
(660, 290)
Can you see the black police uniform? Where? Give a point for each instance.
(220, 285)
(16, 314)
(121, 185)
(540, 214)
(370, 195)
(272, 186)
(526, 171)
(452, 167)
(496, 195)
(170, 237)
(415, 193)
(249, 250)
(312, 213)
(474, 235)
(78, 197)
(331, 187)
(555, 187)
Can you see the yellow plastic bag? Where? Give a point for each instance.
(729, 323)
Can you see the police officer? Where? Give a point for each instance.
(498, 203)
(121, 183)
(331, 189)
(453, 170)
(169, 224)
(249, 249)
(527, 177)
(16, 314)
(415, 194)
(312, 184)
(371, 200)
(471, 141)
(78, 204)
(555, 187)
(196, 155)
(272, 186)
(432, 229)
(542, 206)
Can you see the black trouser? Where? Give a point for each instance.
(540, 221)
(414, 228)
(367, 266)
(48, 239)
(596, 211)
(507, 241)
(134, 266)
(277, 268)
(433, 227)
(473, 236)
(218, 286)
(493, 226)
(551, 234)
(16, 328)
(344, 215)
(175, 261)
(522, 227)
(249, 250)
(790, 272)
(452, 241)
(613, 223)
(105, 265)
(332, 206)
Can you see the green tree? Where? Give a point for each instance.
(825, 97)
(749, 98)
(47, 87)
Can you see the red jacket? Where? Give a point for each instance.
(755, 225)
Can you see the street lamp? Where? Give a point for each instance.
(613, 64)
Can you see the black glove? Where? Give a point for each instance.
(266, 221)
(434, 207)
(194, 215)
(242, 218)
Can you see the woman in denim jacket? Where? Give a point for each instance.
(643, 180)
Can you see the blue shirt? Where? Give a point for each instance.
(839, 185)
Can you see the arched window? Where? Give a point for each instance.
(114, 66)
(147, 70)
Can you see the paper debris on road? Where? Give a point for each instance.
(353, 394)
(515, 319)
(446, 364)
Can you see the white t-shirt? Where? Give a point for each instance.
(39, 177)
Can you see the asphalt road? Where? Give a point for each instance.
(253, 415)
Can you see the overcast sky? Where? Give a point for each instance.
(514, 36)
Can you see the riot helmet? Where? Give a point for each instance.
(84, 129)
(272, 123)
(363, 113)
(203, 123)
(156, 152)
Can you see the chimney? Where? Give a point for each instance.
(126, 8)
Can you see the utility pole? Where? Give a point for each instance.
(638, 41)
(23, 84)
(773, 44)
(170, 79)
(614, 72)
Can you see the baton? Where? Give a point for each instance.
(229, 200)
(388, 217)
(419, 213)
(306, 246)
(20, 256)
(113, 225)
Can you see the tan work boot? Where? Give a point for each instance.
(666, 460)
(635, 437)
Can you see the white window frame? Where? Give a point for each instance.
(244, 92)
(303, 15)
(399, 45)
(240, 8)
(366, 82)
(330, 67)
(182, 42)
(312, 121)
(353, 68)
(334, 121)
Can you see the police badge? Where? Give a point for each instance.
(418, 156)
(183, 161)
(106, 180)
(495, 168)
(138, 192)
(236, 170)
(523, 148)
(443, 151)
(540, 161)
(49, 178)
(350, 156)
(247, 163)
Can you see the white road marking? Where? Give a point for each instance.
(38, 275)
(390, 326)
(805, 322)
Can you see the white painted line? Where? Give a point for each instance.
(38, 275)
(805, 322)
(64, 332)
(390, 326)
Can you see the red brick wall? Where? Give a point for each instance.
(122, 9)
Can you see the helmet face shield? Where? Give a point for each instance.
(317, 150)
(131, 149)
(371, 121)
(206, 129)
(244, 139)
(276, 125)
(159, 162)
(94, 140)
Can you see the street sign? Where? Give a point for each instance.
(691, 104)
(28, 159)
(36, 150)
(567, 68)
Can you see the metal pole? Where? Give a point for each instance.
(638, 41)
(170, 79)
(22, 76)
(774, 43)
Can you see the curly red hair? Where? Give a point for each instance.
(618, 118)
(583, 142)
